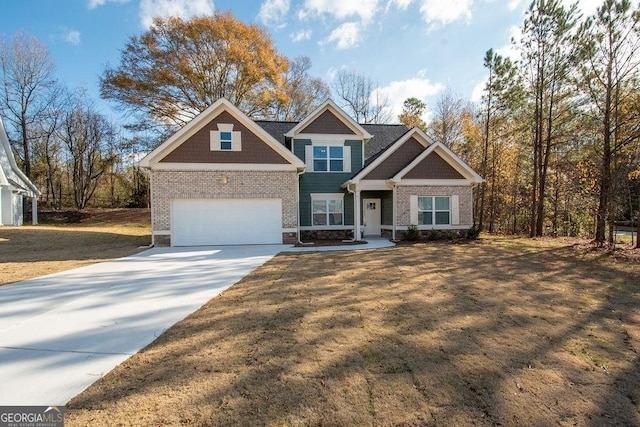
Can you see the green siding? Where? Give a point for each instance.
(386, 202)
(326, 182)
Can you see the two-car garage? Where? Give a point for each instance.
(200, 222)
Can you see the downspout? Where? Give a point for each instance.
(300, 172)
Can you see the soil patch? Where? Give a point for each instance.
(498, 332)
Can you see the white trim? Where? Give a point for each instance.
(325, 227)
(328, 138)
(422, 138)
(340, 115)
(188, 130)
(448, 156)
(434, 183)
(327, 196)
(162, 232)
(4, 141)
(289, 230)
(249, 167)
(375, 185)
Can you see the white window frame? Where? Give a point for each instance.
(434, 211)
(216, 138)
(328, 199)
(310, 156)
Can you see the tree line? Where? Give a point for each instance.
(555, 135)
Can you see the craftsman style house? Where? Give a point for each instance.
(226, 179)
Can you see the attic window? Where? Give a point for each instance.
(225, 139)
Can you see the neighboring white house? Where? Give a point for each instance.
(14, 186)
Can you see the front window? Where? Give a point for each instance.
(327, 212)
(434, 211)
(328, 158)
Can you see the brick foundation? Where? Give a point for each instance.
(306, 235)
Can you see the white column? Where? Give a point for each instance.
(394, 197)
(34, 210)
(356, 214)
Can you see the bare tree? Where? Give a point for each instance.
(361, 97)
(300, 94)
(28, 88)
(88, 137)
(446, 126)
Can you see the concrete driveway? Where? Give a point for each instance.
(62, 332)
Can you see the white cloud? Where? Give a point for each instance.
(340, 9)
(181, 8)
(417, 87)
(96, 3)
(345, 36)
(588, 7)
(509, 50)
(71, 36)
(402, 4)
(478, 90)
(442, 12)
(513, 4)
(273, 13)
(301, 35)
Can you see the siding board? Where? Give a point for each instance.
(197, 148)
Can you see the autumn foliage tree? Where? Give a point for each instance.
(178, 68)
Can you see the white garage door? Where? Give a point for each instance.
(226, 222)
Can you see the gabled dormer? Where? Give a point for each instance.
(329, 141)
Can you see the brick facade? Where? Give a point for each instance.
(170, 185)
(465, 194)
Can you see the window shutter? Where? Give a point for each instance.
(214, 140)
(236, 141)
(347, 159)
(308, 157)
(455, 209)
(413, 209)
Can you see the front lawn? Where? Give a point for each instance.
(31, 251)
(495, 332)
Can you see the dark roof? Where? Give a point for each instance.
(276, 129)
(383, 135)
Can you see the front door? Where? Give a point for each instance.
(372, 217)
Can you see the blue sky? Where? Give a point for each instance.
(409, 47)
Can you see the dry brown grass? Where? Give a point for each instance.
(32, 251)
(499, 332)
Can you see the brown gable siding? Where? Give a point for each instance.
(433, 167)
(327, 122)
(196, 149)
(397, 160)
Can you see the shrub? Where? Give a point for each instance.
(412, 234)
(473, 233)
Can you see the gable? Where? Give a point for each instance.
(327, 123)
(397, 160)
(433, 167)
(196, 149)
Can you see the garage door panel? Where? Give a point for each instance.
(226, 222)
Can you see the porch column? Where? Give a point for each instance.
(394, 197)
(34, 210)
(356, 215)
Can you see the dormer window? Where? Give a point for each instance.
(225, 139)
